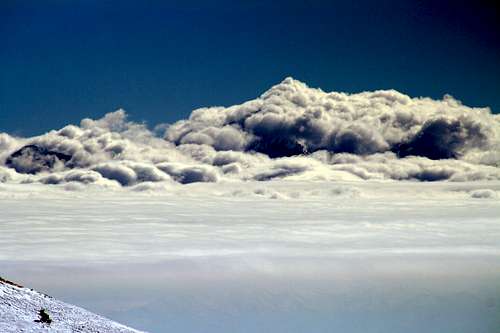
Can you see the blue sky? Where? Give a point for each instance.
(62, 61)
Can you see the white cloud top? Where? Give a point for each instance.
(291, 131)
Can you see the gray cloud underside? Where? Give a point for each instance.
(290, 132)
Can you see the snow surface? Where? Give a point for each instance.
(19, 309)
(274, 256)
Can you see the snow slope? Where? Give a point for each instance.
(19, 309)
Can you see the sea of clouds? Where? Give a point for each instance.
(290, 132)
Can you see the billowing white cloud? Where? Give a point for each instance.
(291, 132)
(292, 119)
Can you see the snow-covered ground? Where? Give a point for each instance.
(276, 256)
(19, 312)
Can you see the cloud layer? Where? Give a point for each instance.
(291, 131)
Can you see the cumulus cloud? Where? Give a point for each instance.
(291, 131)
(190, 174)
(7, 144)
(115, 171)
(292, 119)
(282, 169)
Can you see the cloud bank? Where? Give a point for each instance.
(290, 132)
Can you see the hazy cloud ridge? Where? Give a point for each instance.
(291, 131)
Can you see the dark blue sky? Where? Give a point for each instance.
(62, 61)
